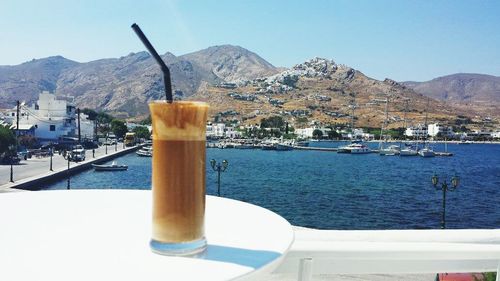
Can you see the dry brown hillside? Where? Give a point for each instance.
(324, 91)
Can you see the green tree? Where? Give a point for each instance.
(275, 133)
(317, 134)
(141, 132)
(332, 134)
(7, 138)
(103, 120)
(118, 128)
(92, 114)
(273, 122)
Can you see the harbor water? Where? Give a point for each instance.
(327, 190)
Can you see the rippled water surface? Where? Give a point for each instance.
(340, 191)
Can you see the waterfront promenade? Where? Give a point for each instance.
(36, 169)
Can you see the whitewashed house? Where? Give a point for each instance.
(51, 118)
(220, 130)
(215, 130)
(308, 132)
(436, 128)
(231, 133)
(418, 131)
(479, 134)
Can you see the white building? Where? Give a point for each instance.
(230, 132)
(51, 119)
(304, 133)
(308, 132)
(220, 130)
(215, 130)
(480, 134)
(360, 134)
(419, 131)
(357, 134)
(436, 128)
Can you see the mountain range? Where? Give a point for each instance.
(461, 88)
(237, 80)
(127, 83)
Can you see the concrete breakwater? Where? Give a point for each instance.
(31, 174)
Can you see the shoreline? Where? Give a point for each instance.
(415, 141)
(370, 141)
(29, 183)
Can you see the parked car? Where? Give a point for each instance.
(77, 154)
(24, 154)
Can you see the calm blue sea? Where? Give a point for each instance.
(327, 190)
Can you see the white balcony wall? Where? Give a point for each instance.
(329, 252)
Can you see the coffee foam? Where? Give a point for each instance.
(180, 120)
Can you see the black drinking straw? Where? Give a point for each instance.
(164, 68)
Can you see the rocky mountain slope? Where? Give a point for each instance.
(126, 84)
(231, 63)
(465, 91)
(240, 86)
(321, 90)
(461, 88)
(25, 81)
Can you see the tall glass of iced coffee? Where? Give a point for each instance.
(178, 183)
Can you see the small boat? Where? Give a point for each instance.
(283, 147)
(354, 148)
(245, 145)
(146, 151)
(228, 145)
(426, 152)
(359, 148)
(409, 150)
(267, 146)
(390, 150)
(112, 167)
(303, 143)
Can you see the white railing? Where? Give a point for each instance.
(391, 252)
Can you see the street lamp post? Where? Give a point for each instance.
(11, 151)
(455, 181)
(67, 187)
(217, 167)
(51, 152)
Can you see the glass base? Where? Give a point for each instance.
(178, 249)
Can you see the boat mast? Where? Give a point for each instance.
(384, 125)
(352, 105)
(405, 124)
(425, 123)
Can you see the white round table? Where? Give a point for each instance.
(104, 234)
